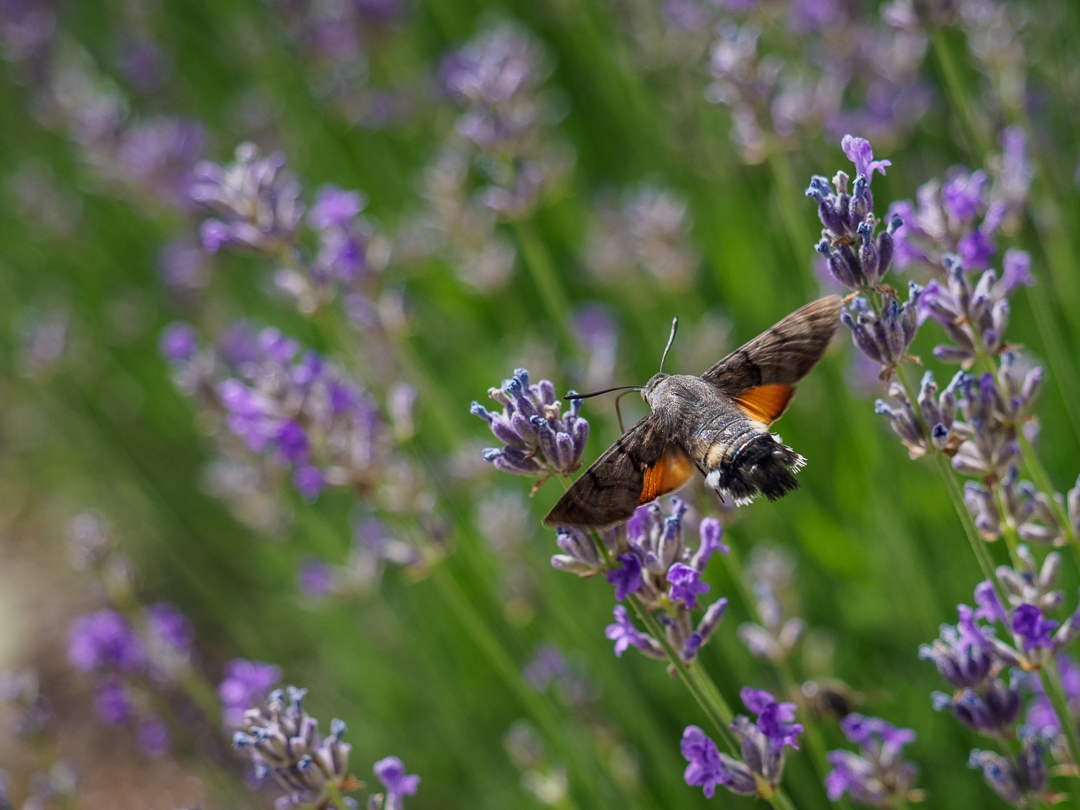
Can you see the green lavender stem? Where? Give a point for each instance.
(1052, 685)
(543, 273)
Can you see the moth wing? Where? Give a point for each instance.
(640, 467)
(761, 375)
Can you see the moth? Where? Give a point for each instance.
(717, 423)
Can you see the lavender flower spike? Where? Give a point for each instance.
(686, 584)
(538, 440)
(284, 741)
(709, 768)
(257, 198)
(877, 776)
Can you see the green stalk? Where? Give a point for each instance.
(1042, 481)
(547, 281)
(978, 143)
(498, 658)
(784, 672)
(1052, 686)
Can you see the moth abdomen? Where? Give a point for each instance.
(762, 466)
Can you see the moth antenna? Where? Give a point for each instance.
(574, 395)
(618, 411)
(670, 340)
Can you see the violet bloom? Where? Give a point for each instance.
(858, 257)
(877, 776)
(762, 748)
(153, 737)
(245, 686)
(257, 198)
(1041, 715)
(859, 152)
(686, 584)
(548, 665)
(316, 579)
(113, 702)
(284, 742)
(104, 640)
(625, 635)
(391, 773)
(537, 439)
(165, 623)
(776, 720)
(709, 768)
(179, 342)
(627, 577)
(1020, 781)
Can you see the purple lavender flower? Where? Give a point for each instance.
(538, 440)
(1041, 715)
(1020, 781)
(113, 702)
(877, 776)
(548, 665)
(859, 152)
(245, 686)
(166, 624)
(709, 768)
(858, 259)
(710, 531)
(316, 578)
(686, 584)
(153, 737)
(625, 635)
(257, 198)
(105, 641)
(775, 720)
(284, 741)
(160, 155)
(762, 749)
(962, 663)
(179, 342)
(627, 577)
(391, 773)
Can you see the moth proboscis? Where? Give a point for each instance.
(717, 423)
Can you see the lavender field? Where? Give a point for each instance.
(291, 296)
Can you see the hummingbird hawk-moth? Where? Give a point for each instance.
(717, 423)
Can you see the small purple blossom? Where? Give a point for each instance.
(625, 635)
(315, 578)
(153, 737)
(878, 774)
(391, 772)
(245, 686)
(179, 342)
(627, 577)
(113, 702)
(166, 624)
(706, 768)
(1029, 623)
(686, 584)
(105, 641)
(859, 152)
(335, 207)
(775, 720)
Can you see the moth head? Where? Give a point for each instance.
(651, 385)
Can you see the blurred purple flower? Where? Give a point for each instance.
(153, 737)
(316, 578)
(391, 772)
(166, 623)
(179, 342)
(113, 702)
(245, 686)
(104, 640)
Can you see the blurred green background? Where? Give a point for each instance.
(881, 556)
